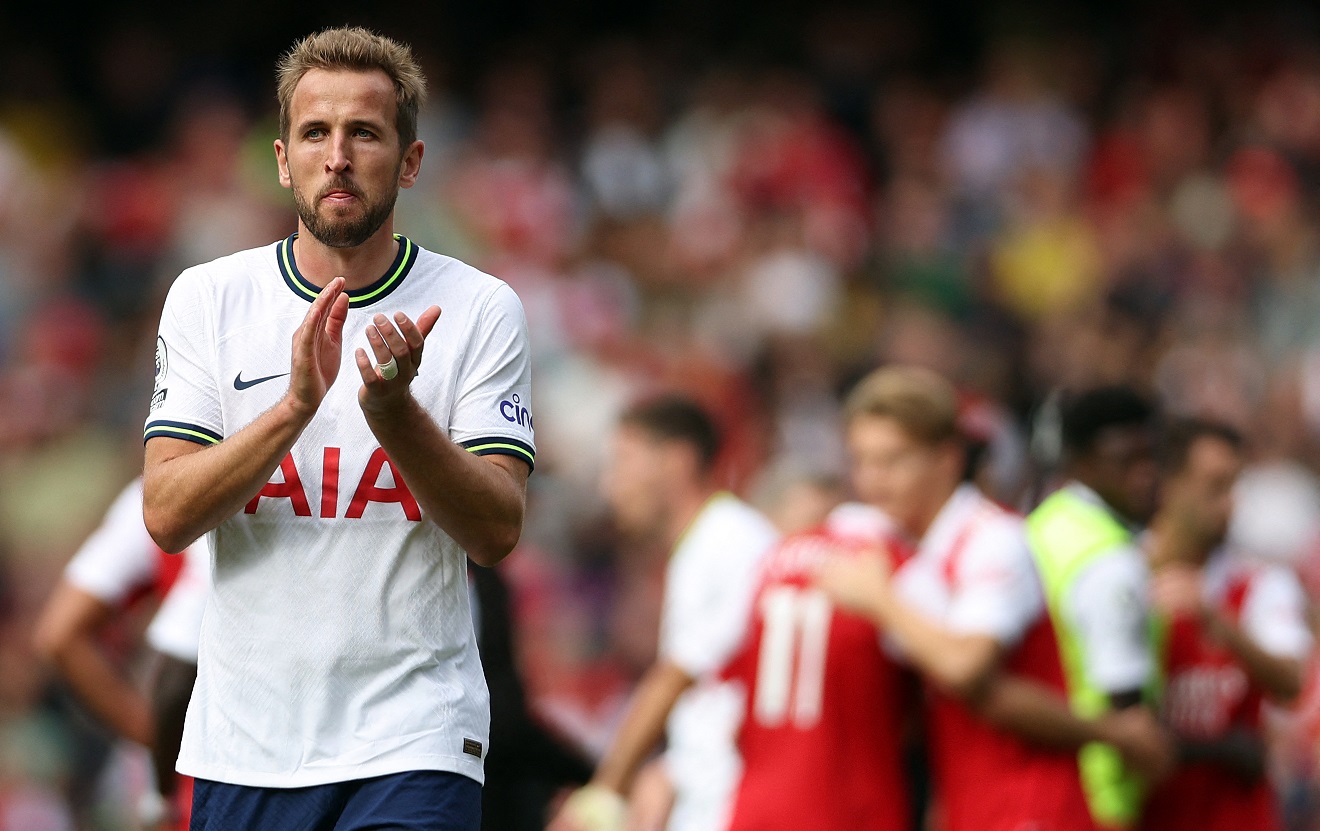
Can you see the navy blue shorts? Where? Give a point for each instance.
(424, 800)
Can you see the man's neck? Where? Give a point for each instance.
(360, 266)
(688, 506)
(921, 526)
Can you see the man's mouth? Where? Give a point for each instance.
(339, 197)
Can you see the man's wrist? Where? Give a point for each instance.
(295, 412)
(390, 413)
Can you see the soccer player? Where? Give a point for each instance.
(966, 608)
(1096, 581)
(822, 734)
(660, 485)
(117, 565)
(1233, 633)
(338, 682)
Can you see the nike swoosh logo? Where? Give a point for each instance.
(240, 384)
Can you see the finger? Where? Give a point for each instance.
(325, 300)
(415, 333)
(366, 369)
(378, 346)
(318, 312)
(393, 339)
(426, 322)
(411, 334)
(336, 316)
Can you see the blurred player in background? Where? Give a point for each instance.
(660, 484)
(339, 684)
(118, 565)
(1232, 633)
(1095, 578)
(966, 609)
(822, 735)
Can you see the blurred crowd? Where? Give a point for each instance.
(1070, 210)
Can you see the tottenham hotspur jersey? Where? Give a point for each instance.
(337, 643)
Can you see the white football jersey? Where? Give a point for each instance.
(973, 572)
(120, 559)
(337, 643)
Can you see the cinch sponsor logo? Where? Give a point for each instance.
(513, 411)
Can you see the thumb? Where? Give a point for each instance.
(426, 320)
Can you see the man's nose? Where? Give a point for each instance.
(337, 160)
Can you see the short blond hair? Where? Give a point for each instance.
(355, 48)
(923, 403)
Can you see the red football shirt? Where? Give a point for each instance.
(973, 573)
(821, 739)
(989, 779)
(1207, 695)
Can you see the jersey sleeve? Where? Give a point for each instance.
(119, 557)
(708, 598)
(995, 591)
(1274, 614)
(185, 401)
(1107, 605)
(493, 409)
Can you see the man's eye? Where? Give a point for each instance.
(315, 133)
(364, 133)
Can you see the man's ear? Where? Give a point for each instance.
(282, 163)
(411, 164)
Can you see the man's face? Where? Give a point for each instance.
(342, 158)
(1121, 468)
(1200, 496)
(907, 479)
(638, 479)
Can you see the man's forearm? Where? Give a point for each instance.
(956, 662)
(1278, 676)
(188, 489)
(110, 697)
(1035, 712)
(474, 500)
(642, 726)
